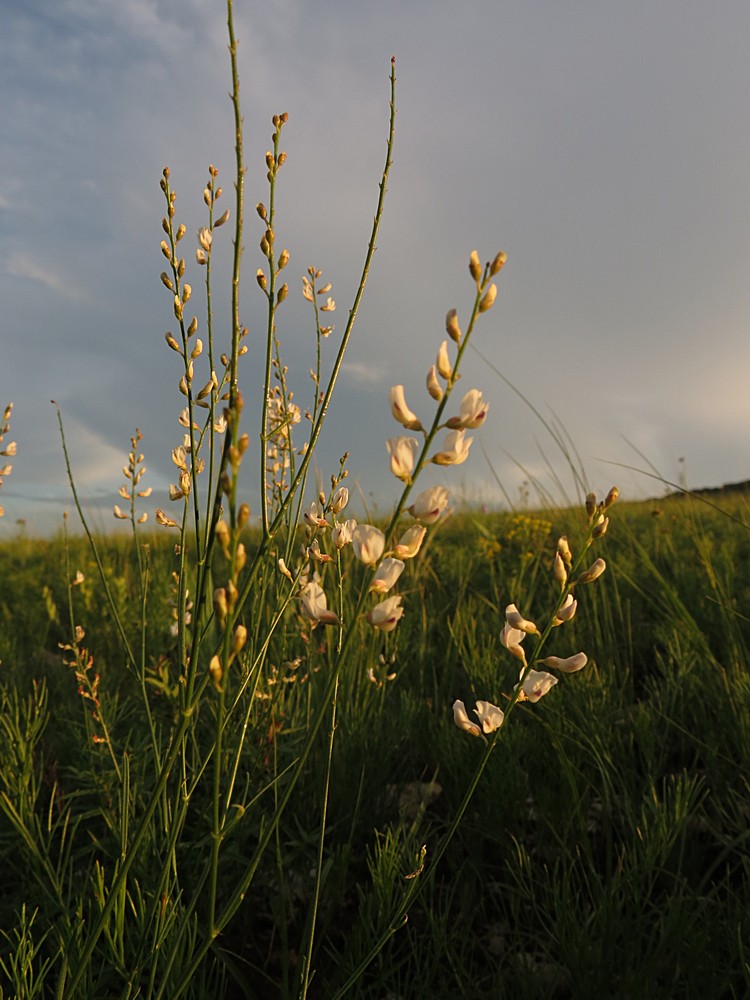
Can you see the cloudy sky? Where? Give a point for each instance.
(603, 145)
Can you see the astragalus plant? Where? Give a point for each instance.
(148, 870)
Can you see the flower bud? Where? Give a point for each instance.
(340, 499)
(443, 362)
(401, 411)
(611, 497)
(216, 672)
(452, 327)
(594, 571)
(569, 665)
(498, 263)
(488, 299)
(475, 267)
(601, 527)
(559, 571)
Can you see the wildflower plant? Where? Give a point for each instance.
(568, 574)
(264, 614)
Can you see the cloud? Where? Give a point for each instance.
(363, 374)
(23, 265)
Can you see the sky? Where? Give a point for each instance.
(603, 145)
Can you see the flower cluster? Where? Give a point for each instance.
(533, 684)
(129, 491)
(407, 455)
(9, 450)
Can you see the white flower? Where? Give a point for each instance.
(595, 570)
(368, 543)
(342, 533)
(516, 621)
(472, 413)
(205, 238)
(340, 499)
(568, 665)
(388, 573)
(313, 518)
(489, 715)
(535, 684)
(401, 411)
(462, 720)
(403, 452)
(315, 605)
(410, 542)
(429, 505)
(313, 552)
(512, 638)
(386, 615)
(567, 611)
(455, 449)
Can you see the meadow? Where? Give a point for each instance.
(290, 753)
(603, 854)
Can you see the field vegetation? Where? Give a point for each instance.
(603, 854)
(287, 753)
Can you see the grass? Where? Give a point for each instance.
(605, 852)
